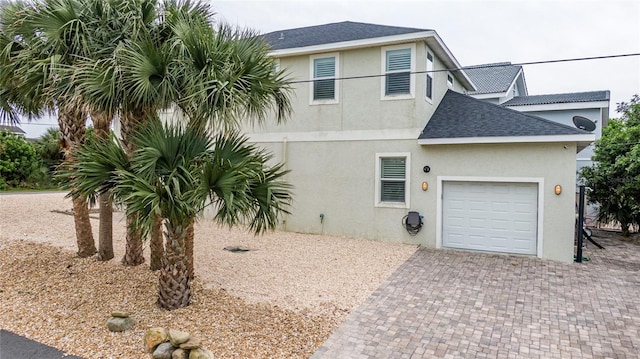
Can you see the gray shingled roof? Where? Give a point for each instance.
(459, 116)
(332, 33)
(492, 78)
(558, 98)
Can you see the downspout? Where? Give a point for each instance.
(286, 167)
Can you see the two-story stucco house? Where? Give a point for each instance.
(382, 125)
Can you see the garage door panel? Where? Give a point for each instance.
(499, 217)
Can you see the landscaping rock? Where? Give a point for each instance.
(201, 353)
(119, 324)
(177, 337)
(180, 354)
(163, 351)
(120, 314)
(192, 343)
(154, 337)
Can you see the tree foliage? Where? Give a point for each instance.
(18, 160)
(614, 180)
(49, 149)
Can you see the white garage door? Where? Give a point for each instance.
(490, 216)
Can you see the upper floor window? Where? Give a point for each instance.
(450, 81)
(323, 87)
(398, 65)
(429, 89)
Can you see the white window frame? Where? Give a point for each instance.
(336, 92)
(429, 74)
(451, 83)
(407, 179)
(276, 65)
(383, 71)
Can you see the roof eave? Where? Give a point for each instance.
(559, 106)
(487, 95)
(580, 139)
(450, 61)
(353, 44)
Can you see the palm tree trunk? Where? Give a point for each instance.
(71, 119)
(134, 251)
(133, 256)
(174, 285)
(105, 230)
(189, 237)
(156, 246)
(84, 236)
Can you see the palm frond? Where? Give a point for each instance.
(99, 164)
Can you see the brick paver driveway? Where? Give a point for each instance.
(455, 304)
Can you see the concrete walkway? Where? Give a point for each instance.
(455, 304)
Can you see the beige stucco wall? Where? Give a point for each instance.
(337, 179)
(359, 106)
(553, 163)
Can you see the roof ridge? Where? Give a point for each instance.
(491, 64)
(346, 22)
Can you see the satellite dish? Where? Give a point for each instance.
(584, 123)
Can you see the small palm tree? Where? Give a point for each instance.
(174, 173)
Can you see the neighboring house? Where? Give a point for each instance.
(381, 127)
(13, 129)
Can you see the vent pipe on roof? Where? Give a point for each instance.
(281, 36)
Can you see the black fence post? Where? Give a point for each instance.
(580, 224)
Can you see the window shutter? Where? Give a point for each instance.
(429, 86)
(398, 67)
(324, 71)
(398, 60)
(392, 186)
(324, 67)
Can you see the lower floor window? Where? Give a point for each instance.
(392, 181)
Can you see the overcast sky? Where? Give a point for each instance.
(479, 32)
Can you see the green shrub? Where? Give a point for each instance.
(18, 159)
(49, 149)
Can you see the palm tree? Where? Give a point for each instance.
(174, 173)
(36, 38)
(214, 77)
(50, 38)
(131, 59)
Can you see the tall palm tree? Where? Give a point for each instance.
(36, 38)
(174, 173)
(134, 58)
(50, 38)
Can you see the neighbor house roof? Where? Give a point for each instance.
(492, 78)
(331, 33)
(13, 129)
(467, 120)
(558, 98)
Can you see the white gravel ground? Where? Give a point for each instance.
(289, 270)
